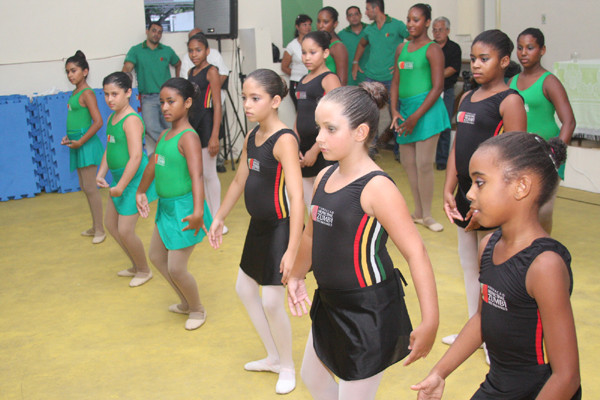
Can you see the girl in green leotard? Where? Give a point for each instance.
(337, 61)
(182, 215)
(543, 95)
(126, 160)
(417, 82)
(83, 121)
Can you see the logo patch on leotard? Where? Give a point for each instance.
(301, 95)
(493, 297)
(159, 159)
(405, 65)
(254, 164)
(465, 117)
(110, 139)
(526, 107)
(321, 215)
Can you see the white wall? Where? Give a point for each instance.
(570, 26)
(37, 37)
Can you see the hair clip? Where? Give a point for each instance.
(541, 142)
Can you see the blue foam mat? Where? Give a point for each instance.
(16, 162)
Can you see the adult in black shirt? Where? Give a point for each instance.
(452, 54)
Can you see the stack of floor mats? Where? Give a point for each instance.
(17, 156)
(32, 158)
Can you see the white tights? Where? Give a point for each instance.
(468, 244)
(269, 318)
(307, 187)
(321, 383)
(212, 185)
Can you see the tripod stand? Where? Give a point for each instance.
(227, 140)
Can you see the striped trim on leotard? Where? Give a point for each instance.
(208, 97)
(279, 194)
(367, 264)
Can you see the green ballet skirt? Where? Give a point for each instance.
(125, 204)
(89, 154)
(169, 215)
(433, 122)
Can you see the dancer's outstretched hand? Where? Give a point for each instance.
(298, 299)
(431, 388)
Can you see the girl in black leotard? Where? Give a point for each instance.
(526, 279)
(269, 175)
(488, 111)
(205, 116)
(310, 89)
(360, 324)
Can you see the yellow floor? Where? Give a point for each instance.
(71, 329)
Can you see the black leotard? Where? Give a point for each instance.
(476, 122)
(510, 322)
(201, 114)
(308, 95)
(267, 203)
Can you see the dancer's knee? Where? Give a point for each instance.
(273, 300)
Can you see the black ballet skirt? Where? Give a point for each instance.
(266, 243)
(359, 332)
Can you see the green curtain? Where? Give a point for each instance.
(290, 10)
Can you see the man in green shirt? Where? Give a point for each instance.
(151, 61)
(350, 36)
(383, 37)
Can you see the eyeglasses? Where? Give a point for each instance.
(439, 30)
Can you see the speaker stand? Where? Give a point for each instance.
(243, 128)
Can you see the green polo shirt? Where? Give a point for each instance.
(151, 66)
(384, 42)
(350, 40)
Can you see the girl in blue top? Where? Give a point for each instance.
(125, 157)
(83, 122)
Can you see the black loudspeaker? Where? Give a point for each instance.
(218, 19)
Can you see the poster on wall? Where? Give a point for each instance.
(290, 9)
(172, 15)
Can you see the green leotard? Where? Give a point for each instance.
(172, 177)
(540, 111)
(174, 187)
(78, 116)
(117, 156)
(415, 84)
(117, 152)
(78, 122)
(329, 61)
(415, 72)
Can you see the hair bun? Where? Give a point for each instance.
(284, 88)
(79, 54)
(558, 148)
(377, 92)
